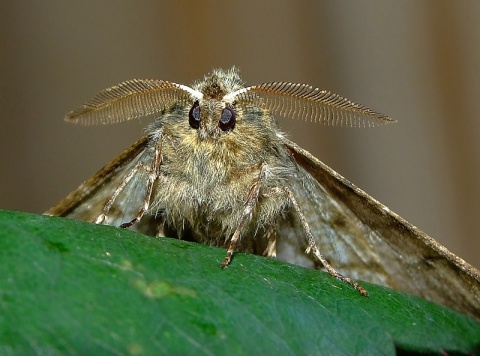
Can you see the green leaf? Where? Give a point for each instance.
(69, 287)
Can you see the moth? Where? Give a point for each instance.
(215, 168)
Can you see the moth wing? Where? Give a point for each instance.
(339, 234)
(364, 239)
(87, 201)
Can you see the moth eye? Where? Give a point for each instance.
(227, 120)
(194, 115)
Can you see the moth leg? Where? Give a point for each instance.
(271, 249)
(102, 218)
(250, 202)
(153, 173)
(312, 248)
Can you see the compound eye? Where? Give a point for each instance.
(227, 120)
(194, 116)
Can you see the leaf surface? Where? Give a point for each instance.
(77, 288)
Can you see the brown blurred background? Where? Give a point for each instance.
(417, 61)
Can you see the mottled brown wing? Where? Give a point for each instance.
(87, 201)
(367, 241)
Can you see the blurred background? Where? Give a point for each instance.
(416, 61)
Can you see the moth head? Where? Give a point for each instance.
(226, 119)
(211, 115)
